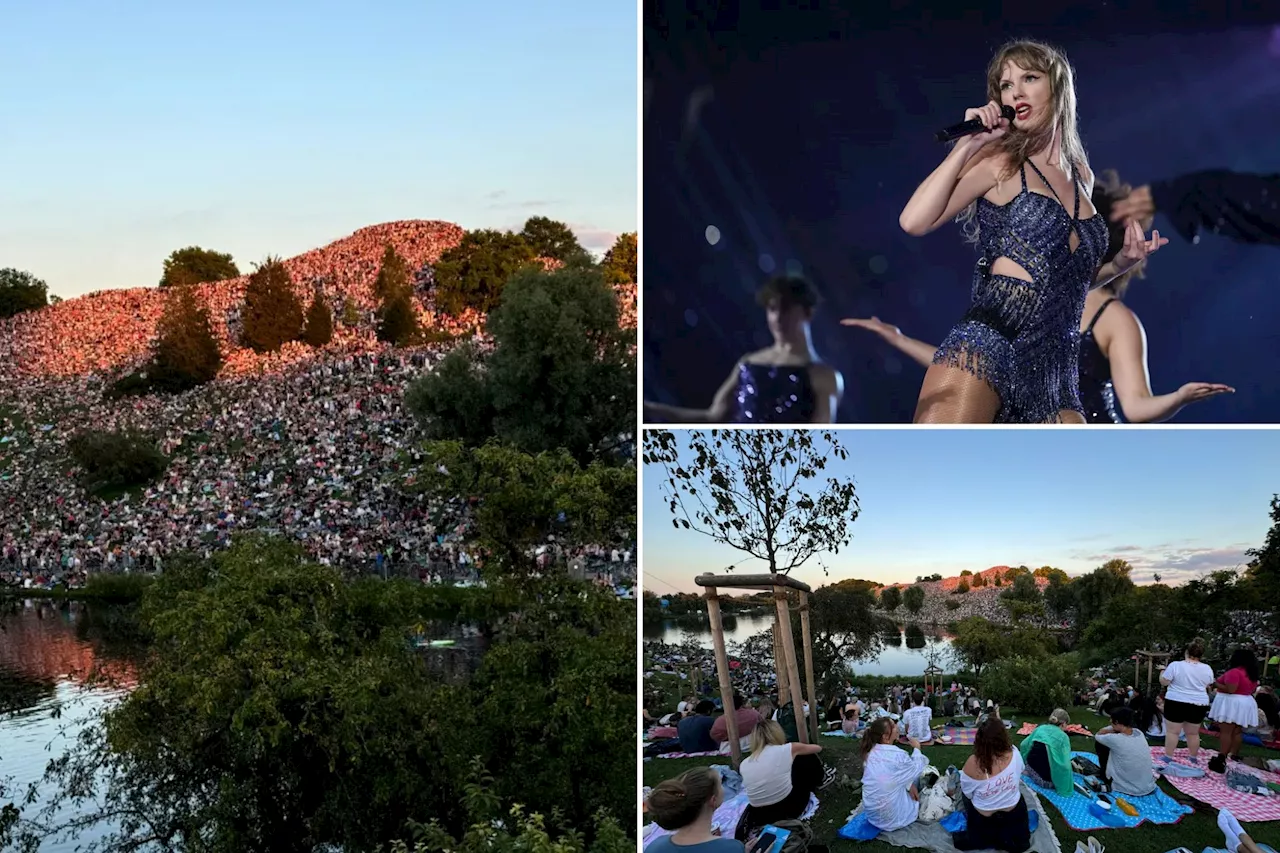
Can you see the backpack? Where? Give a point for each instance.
(801, 836)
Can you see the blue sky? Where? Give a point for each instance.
(134, 128)
(1177, 502)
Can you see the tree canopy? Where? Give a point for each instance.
(620, 261)
(272, 311)
(185, 352)
(759, 491)
(319, 324)
(194, 265)
(551, 239)
(474, 273)
(21, 291)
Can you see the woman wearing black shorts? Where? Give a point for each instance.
(1186, 700)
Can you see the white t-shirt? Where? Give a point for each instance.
(886, 776)
(997, 792)
(917, 721)
(1188, 681)
(767, 775)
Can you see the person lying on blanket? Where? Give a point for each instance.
(779, 777)
(890, 794)
(1124, 756)
(1047, 753)
(995, 813)
(685, 806)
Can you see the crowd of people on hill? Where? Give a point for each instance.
(315, 445)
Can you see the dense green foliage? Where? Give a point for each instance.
(194, 265)
(272, 312)
(21, 291)
(1034, 685)
(475, 273)
(620, 261)
(319, 324)
(551, 239)
(561, 374)
(890, 598)
(116, 459)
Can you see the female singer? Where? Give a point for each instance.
(786, 383)
(1115, 385)
(1013, 357)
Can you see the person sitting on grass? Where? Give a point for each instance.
(1124, 756)
(995, 813)
(685, 806)
(916, 719)
(890, 776)
(694, 730)
(850, 724)
(1047, 753)
(779, 777)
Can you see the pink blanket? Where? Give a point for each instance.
(1212, 787)
(1071, 729)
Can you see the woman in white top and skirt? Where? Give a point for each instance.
(1186, 699)
(779, 777)
(991, 780)
(890, 793)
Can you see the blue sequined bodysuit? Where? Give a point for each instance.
(1023, 337)
(774, 394)
(1097, 392)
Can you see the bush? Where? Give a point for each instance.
(1032, 685)
(114, 460)
(961, 588)
(952, 604)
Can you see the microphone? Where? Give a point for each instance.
(974, 125)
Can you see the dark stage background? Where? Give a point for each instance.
(799, 135)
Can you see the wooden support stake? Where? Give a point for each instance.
(793, 671)
(722, 670)
(780, 664)
(808, 665)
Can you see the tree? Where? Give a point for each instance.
(194, 265)
(551, 239)
(965, 573)
(474, 273)
(283, 709)
(272, 312)
(185, 352)
(21, 291)
(913, 599)
(962, 587)
(1263, 570)
(319, 328)
(561, 375)
(398, 322)
(1023, 599)
(1049, 573)
(620, 261)
(1094, 590)
(978, 581)
(1140, 617)
(117, 459)
(890, 598)
(758, 491)
(977, 643)
(1060, 595)
(519, 501)
(393, 276)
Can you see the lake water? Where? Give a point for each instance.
(48, 650)
(893, 659)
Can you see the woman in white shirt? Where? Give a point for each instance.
(996, 814)
(890, 796)
(1186, 699)
(779, 777)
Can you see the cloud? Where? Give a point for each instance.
(1174, 562)
(532, 204)
(593, 238)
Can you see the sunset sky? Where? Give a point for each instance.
(1177, 502)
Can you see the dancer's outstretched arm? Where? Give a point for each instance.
(920, 352)
(1126, 349)
(1236, 205)
(718, 413)
(1137, 248)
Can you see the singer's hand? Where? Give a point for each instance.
(875, 324)
(1194, 392)
(1137, 247)
(996, 124)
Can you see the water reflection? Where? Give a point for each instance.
(905, 646)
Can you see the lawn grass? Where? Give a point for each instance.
(1195, 831)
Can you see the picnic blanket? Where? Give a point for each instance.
(685, 754)
(937, 837)
(727, 817)
(1247, 737)
(1072, 729)
(1154, 808)
(958, 735)
(1212, 788)
(839, 733)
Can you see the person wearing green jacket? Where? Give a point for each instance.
(1047, 753)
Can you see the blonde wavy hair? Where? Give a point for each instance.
(1018, 145)
(766, 733)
